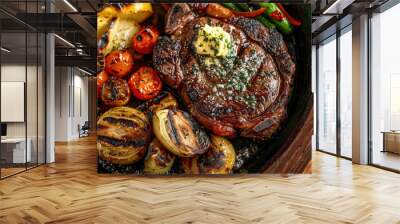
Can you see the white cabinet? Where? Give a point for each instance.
(19, 155)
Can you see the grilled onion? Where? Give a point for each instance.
(158, 159)
(180, 133)
(219, 159)
(123, 135)
(167, 102)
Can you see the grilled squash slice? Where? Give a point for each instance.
(138, 12)
(104, 18)
(120, 34)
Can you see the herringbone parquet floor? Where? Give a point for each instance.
(70, 191)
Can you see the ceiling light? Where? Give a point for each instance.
(84, 71)
(329, 9)
(5, 50)
(64, 40)
(70, 5)
(337, 7)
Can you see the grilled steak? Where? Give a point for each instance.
(244, 92)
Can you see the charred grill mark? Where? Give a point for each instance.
(163, 157)
(136, 143)
(173, 134)
(121, 121)
(115, 92)
(177, 9)
(193, 94)
(213, 159)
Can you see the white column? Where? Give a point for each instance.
(313, 89)
(360, 90)
(50, 100)
(50, 91)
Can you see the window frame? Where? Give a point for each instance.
(381, 9)
(338, 34)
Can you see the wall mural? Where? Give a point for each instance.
(204, 88)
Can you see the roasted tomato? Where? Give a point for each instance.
(145, 40)
(115, 92)
(145, 83)
(119, 63)
(102, 77)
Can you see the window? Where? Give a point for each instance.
(334, 109)
(327, 96)
(22, 62)
(385, 89)
(346, 92)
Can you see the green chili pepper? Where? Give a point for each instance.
(277, 17)
(231, 6)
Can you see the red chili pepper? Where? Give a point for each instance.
(277, 15)
(251, 14)
(291, 20)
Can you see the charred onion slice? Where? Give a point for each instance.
(115, 92)
(180, 133)
(219, 159)
(168, 101)
(123, 135)
(158, 159)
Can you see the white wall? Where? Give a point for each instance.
(61, 103)
(16, 73)
(34, 125)
(81, 89)
(71, 93)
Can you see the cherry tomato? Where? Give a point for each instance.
(145, 83)
(102, 77)
(145, 40)
(119, 63)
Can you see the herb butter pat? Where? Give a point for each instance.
(213, 41)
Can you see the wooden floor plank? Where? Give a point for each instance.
(71, 191)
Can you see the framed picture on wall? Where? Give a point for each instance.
(204, 88)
